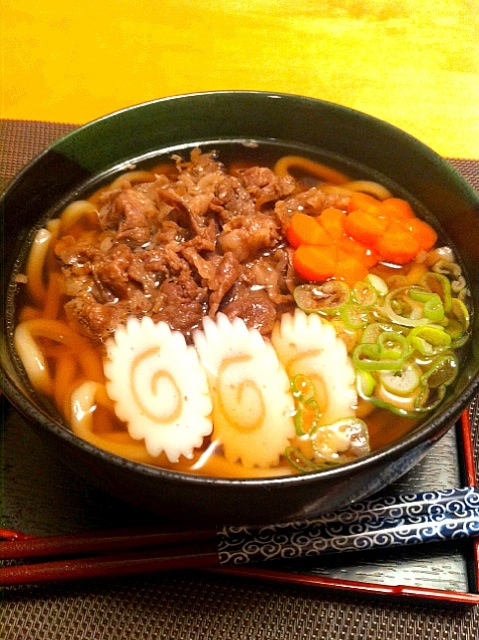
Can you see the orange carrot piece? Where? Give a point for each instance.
(364, 226)
(305, 229)
(315, 263)
(363, 201)
(364, 254)
(332, 221)
(423, 232)
(396, 209)
(398, 246)
(350, 269)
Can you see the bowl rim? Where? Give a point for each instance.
(433, 156)
(427, 431)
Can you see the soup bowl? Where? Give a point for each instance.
(96, 152)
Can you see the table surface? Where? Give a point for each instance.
(414, 64)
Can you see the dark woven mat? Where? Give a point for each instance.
(199, 605)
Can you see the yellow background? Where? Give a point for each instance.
(414, 63)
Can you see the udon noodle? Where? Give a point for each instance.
(258, 369)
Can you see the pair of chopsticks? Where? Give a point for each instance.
(103, 553)
(382, 523)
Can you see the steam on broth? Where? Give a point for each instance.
(241, 320)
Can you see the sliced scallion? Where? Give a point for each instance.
(434, 309)
(302, 388)
(440, 284)
(403, 382)
(364, 294)
(442, 371)
(429, 340)
(377, 283)
(354, 315)
(299, 461)
(368, 357)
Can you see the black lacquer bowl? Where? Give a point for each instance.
(224, 120)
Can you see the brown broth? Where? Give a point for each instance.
(384, 427)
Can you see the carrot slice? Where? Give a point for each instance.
(364, 254)
(304, 229)
(363, 201)
(315, 263)
(396, 209)
(364, 226)
(350, 269)
(423, 232)
(397, 246)
(332, 221)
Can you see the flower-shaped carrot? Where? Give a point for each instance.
(345, 245)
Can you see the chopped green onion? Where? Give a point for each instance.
(365, 383)
(299, 461)
(429, 340)
(399, 309)
(354, 316)
(429, 398)
(378, 284)
(440, 284)
(302, 388)
(442, 371)
(396, 410)
(306, 417)
(403, 382)
(307, 413)
(393, 345)
(364, 294)
(421, 295)
(459, 316)
(434, 309)
(368, 357)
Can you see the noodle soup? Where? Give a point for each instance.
(236, 319)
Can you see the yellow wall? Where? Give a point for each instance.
(414, 63)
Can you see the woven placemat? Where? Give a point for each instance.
(193, 605)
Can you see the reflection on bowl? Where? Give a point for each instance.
(230, 225)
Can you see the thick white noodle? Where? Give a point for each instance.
(367, 186)
(75, 211)
(32, 358)
(34, 268)
(83, 404)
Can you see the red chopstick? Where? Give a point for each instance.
(106, 554)
(109, 565)
(101, 541)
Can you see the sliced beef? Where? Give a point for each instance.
(186, 243)
(181, 305)
(132, 214)
(232, 199)
(265, 186)
(252, 306)
(246, 236)
(227, 273)
(274, 273)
